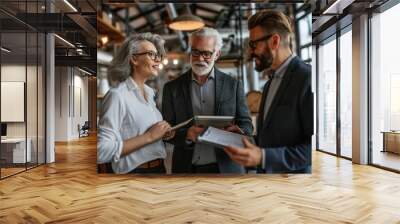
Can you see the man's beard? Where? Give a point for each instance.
(264, 59)
(202, 68)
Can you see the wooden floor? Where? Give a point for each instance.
(387, 159)
(10, 171)
(70, 191)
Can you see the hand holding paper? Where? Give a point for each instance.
(193, 132)
(234, 128)
(221, 138)
(248, 156)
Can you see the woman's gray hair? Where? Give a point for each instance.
(121, 67)
(208, 32)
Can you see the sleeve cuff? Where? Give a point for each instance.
(119, 144)
(263, 158)
(189, 143)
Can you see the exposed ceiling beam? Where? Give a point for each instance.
(91, 5)
(337, 7)
(231, 10)
(207, 9)
(108, 9)
(84, 24)
(150, 20)
(147, 12)
(83, 61)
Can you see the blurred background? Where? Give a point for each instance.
(118, 19)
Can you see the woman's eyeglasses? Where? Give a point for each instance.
(152, 55)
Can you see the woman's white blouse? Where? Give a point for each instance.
(126, 114)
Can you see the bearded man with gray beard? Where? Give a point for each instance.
(204, 90)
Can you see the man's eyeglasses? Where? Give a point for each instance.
(253, 43)
(205, 54)
(152, 55)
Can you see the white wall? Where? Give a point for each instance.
(70, 84)
(16, 73)
(34, 125)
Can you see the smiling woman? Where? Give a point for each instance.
(130, 126)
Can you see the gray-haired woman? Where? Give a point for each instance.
(130, 126)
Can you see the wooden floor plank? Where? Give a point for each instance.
(71, 191)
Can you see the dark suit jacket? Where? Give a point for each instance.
(177, 107)
(285, 134)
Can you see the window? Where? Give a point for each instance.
(304, 32)
(385, 85)
(346, 94)
(327, 96)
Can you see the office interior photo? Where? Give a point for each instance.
(47, 81)
(357, 83)
(54, 70)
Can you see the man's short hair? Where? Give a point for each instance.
(272, 21)
(207, 32)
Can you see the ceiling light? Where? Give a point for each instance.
(104, 40)
(5, 49)
(165, 61)
(337, 7)
(65, 41)
(86, 72)
(186, 22)
(70, 5)
(175, 61)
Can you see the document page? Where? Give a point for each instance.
(221, 138)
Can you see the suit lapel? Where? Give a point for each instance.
(187, 83)
(281, 90)
(219, 89)
(260, 118)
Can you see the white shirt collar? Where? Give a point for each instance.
(132, 85)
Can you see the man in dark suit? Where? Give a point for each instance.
(285, 121)
(204, 90)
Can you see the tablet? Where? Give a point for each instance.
(214, 121)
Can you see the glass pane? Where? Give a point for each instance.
(305, 30)
(327, 97)
(13, 87)
(41, 99)
(314, 90)
(31, 98)
(385, 89)
(346, 94)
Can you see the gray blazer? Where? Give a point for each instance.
(177, 107)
